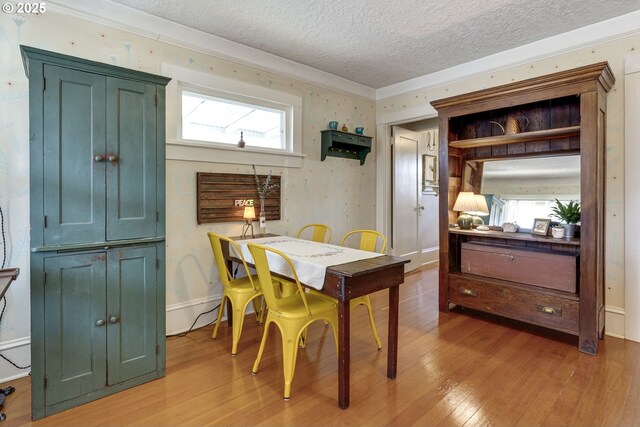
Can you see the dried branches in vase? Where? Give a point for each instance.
(264, 188)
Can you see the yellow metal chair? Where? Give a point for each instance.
(368, 242)
(320, 232)
(240, 292)
(291, 314)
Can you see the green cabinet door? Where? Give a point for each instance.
(75, 325)
(74, 134)
(131, 159)
(131, 312)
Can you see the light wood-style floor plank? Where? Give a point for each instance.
(454, 369)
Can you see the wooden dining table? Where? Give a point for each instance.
(347, 281)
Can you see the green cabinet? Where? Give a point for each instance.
(99, 145)
(98, 307)
(97, 177)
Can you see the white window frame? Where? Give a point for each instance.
(221, 87)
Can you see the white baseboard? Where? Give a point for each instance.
(614, 319)
(181, 316)
(430, 255)
(19, 351)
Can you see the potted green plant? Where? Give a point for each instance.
(569, 213)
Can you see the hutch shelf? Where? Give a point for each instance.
(565, 115)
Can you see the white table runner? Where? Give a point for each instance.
(309, 258)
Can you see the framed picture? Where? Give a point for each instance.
(540, 226)
(429, 169)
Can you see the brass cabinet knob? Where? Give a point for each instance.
(100, 322)
(112, 158)
(98, 158)
(113, 319)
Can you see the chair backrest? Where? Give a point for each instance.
(320, 232)
(223, 271)
(368, 240)
(259, 254)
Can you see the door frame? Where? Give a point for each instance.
(384, 123)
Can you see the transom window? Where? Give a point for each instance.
(207, 113)
(214, 119)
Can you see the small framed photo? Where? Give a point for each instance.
(429, 169)
(540, 226)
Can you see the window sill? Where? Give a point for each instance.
(195, 152)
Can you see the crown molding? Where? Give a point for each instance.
(131, 20)
(598, 33)
(128, 19)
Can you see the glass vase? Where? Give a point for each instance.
(263, 219)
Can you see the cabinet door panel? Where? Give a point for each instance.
(131, 178)
(131, 281)
(75, 345)
(74, 132)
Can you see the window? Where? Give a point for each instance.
(220, 120)
(523, 212)
(207, 112)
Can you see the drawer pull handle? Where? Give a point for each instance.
(552, 311)
(511, 257)
(469, 292)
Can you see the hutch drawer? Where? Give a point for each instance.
(516, 302)
(545, 269)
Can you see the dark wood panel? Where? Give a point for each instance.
(515, 302)
(566, 114)
(217, 193)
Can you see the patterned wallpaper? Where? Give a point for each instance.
(338, 191)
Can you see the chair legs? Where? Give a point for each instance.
(291, 334)
(263, 342)
(367, 303)
(223, 302)
(239, 307)
(289, 357)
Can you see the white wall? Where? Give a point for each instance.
(337, 191)
(632, 197)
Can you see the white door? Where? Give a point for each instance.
(406, 239)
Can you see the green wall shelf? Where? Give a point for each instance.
(345, 144)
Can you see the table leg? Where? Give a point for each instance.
(344, 350)
(392, 356)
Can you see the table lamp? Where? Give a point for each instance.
(483, 209)
(249, 215)
(465, 203)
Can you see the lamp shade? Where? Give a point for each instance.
(483, 209)
(466, 202)
(249, 212)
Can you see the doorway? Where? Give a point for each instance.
(412, 198)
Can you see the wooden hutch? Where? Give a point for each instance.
(566, 114)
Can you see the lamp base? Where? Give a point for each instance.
(245, 229)
(476, 220)
(465, 221)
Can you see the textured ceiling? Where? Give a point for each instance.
(381, 42)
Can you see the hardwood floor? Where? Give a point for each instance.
(454, 369)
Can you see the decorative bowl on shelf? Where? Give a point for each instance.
(509, 227)
(557, 232)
